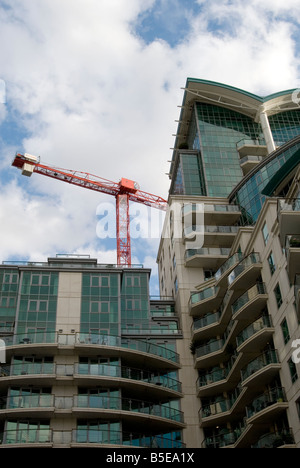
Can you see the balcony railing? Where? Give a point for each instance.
(105, 370)
(216, 375)
(235, 258)
(263, 322)
(267, 399)
(59, 339)
(250, 142)
(276, 439)
(207, 251)
(128, 404)
(252, 259)
(288, 204)
(252, 293)
(47, 401)
(216, 408)
(160, 379)
(264, 360)
(210, 347)
(87, 436)
(203, 295)
(205, 321)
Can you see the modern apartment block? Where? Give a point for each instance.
(90, 358)
(229, 255)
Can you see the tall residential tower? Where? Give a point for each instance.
(229, 255)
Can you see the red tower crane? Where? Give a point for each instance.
(124, 191)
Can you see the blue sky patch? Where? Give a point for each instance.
(168, 20)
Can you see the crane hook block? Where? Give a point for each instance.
(26, 162)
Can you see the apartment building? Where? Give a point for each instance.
(90, 358)
(229, 255)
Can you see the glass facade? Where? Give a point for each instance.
(189, 179)
(100, 304)
(285, 126)
(250, 196)
(38, 304)
(220, 130)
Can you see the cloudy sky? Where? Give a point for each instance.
(94, 85)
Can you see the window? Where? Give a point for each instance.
(265, 233)
(278, 295)
(100, 281)
(132, 281)
(285, 331)
(293, 370)
(40, 280)
(176, 285)
(271, 263)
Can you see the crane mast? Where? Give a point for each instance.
(124, 191)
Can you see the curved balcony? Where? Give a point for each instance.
(215, 412)
(250, 304)
(161, 384)
(38, 437)
(130, 410)
(207, 325)
(267, 407)
(206, 257)
(205, 301)
(49, 438)
(41, 405)
(131, 348)
(276, 440)
(124, 439)
(38, 373)
(245, 273)
(256, 335)
(261, 370)
(208, 354)
(41, 344)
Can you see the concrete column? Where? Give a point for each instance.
(69, 302)
(267, 132)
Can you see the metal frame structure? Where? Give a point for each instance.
(124, 192)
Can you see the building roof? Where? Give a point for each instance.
(225, 96)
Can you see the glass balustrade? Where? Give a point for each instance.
(263, 322)
(267, 399)
(265, 359)
(252, 293)
(203, 295)
(252, 259)
(208, 319)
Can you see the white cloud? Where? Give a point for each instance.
(95, 98)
